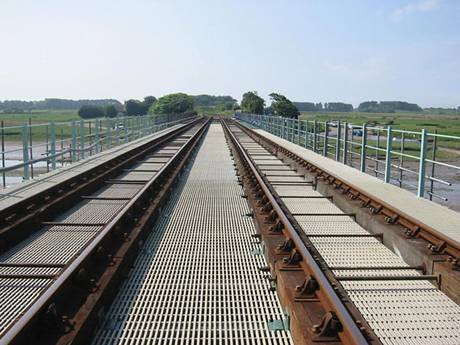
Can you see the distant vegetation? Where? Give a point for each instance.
(387, 107)
(331, 106)
(173, 103)
(15, 106)
(281, 106)
(252, 103)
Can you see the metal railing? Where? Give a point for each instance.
(414, 160)
(29, 148)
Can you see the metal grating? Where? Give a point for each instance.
(56, 245)
(330, 225)
(309, 206)
(284, 191)
(92, 212)
(118, 191)
(136, 176)
(196, 281)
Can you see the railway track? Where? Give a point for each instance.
(66, 256)
(186, 238)
(339, 281)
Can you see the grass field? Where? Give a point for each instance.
(444, 124)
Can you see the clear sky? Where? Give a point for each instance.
(334, 50)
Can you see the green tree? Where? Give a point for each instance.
(148, 101)
(134, 107)
(90, 111)
(172, 103)
(252, 103)
(282, 106)
(111, 111)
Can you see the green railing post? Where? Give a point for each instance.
(117, 129)
(326, 130)
(315, 136)
(345, 143)
(125, 125)
(388, 155)
(25, 150)
(306, 134)
(109, 134)
(363, 149)
(97, 137)
(337, 146)
(74, 142)
(422, 165)
(82, 139)
(53, 145)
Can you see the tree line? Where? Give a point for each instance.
(18, 106)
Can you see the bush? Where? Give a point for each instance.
(90, 112)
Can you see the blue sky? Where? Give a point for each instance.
(319, 51)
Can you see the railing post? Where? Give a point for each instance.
(422, 166)
(363, 148)
(125, 125)
(25, 150)
(388, 155)
(345, 143)
(306, 134)
(53, 145)
(82, 139)
(337, 146)
(98, 144)
(109, 134)
(74, 141)
(326, 130)
(315, 136)
(117, 129)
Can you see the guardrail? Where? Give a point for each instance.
(408, 159)
(29, 148)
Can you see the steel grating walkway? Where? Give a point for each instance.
(197, 279)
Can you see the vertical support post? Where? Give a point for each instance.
(109, 134)
(337, 146)
(363, 149)
(377, 154)
(306, 134)
(422, 166)
(388, 155)
(326, 130)
(82, 139)
(53, 145)
(74, 142)
(118, 131)
(97, 126)
(345, 143)
(433, 165)
(401, 160)
(31, 148)
(125, 125)
(3, 153)
(25, 150)
(315, 136)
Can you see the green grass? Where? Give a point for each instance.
(442, 124)
(37, 118)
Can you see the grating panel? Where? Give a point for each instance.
(56, 245)
(196, 281)
(16, 295)
(118, 191)
(136, 176)
(154, 159)
(329, 225)
(92, 212)
(355, 252)
(285, 179)
(311, 206)
(295, 191)
(407, 312)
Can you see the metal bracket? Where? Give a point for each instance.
(328, 329)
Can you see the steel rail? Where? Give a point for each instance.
(352, 331)
(439, 242)
(16, 332)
